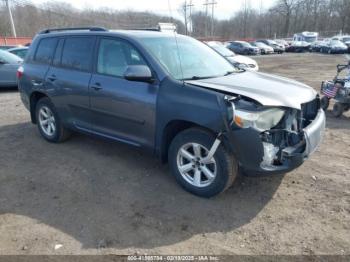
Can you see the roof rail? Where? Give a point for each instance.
(49, 30)
(145, 29)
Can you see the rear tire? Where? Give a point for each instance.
(207, 178)
(49, 123)
(324, 103)
(338, 109)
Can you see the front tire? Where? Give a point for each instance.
(338, 109)
(193, 171)
(49, 123)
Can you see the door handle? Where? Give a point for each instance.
(36, 83)
(52, 78)
(96, 86)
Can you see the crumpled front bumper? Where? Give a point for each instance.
(248, 148)
(314, 133)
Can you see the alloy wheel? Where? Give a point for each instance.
(47, 121)
(194, 165)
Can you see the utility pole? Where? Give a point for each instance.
(185, 6)
(212, 3)
(11, 18)
(190, 6)
(206, 18)
(185, 12)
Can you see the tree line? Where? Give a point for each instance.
(282, 20)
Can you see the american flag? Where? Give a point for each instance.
(330, 89)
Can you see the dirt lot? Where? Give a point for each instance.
(97, 197)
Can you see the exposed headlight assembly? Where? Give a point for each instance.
(260, 120)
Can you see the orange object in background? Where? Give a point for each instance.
(6, 40)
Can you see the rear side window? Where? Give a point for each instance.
(58, 53)
(77, 53)
(45, 50)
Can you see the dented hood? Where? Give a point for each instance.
(268, 90)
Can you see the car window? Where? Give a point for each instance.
(58, 53)
(21, 53)
(77, 53)
(45, 50)
(9, 58)
(114, 56)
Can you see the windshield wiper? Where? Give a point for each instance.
(199, 77)
(229, 73)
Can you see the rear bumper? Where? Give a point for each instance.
(249, 149)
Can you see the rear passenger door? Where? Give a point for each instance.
(69, 77)
(39, 63)
(123, 110)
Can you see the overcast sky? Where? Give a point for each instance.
(224, 8)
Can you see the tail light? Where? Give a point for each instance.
(20, 71)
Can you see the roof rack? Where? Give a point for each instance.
(161, 27)
(49, 30)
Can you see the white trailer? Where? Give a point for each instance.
(309, 37)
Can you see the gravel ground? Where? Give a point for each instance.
(97, 197)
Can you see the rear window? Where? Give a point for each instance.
(77, 53)
(45, 50)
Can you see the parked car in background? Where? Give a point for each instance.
(243, 48)
(334, 47)
(316, 46)
(282, 42)
(299, 47)
(176, 98)
(9, 64)
(345, 39)
(240, 61)
(19, 51)
(264, 49)
(5, 47)
(277, 48)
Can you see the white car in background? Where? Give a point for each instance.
(240, 61)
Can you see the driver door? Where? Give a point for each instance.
(122, 110)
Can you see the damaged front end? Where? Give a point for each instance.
(274, 139)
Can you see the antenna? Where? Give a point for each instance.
(177, 45)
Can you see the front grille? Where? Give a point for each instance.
(309, 111)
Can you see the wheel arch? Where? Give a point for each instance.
(171, 129)
(34, 99)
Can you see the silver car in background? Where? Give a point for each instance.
(240, 61)
(9, 64)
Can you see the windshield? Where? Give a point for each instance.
(191, 60)
(223, 50)
(310, 39)
(337, 43)
(9, 58)
(259, 44)
(271, 42)
(346, 39)
(245, 44)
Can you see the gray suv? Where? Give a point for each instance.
(173, 96)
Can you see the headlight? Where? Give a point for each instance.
(260, 120)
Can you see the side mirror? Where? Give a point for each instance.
(140, 73)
